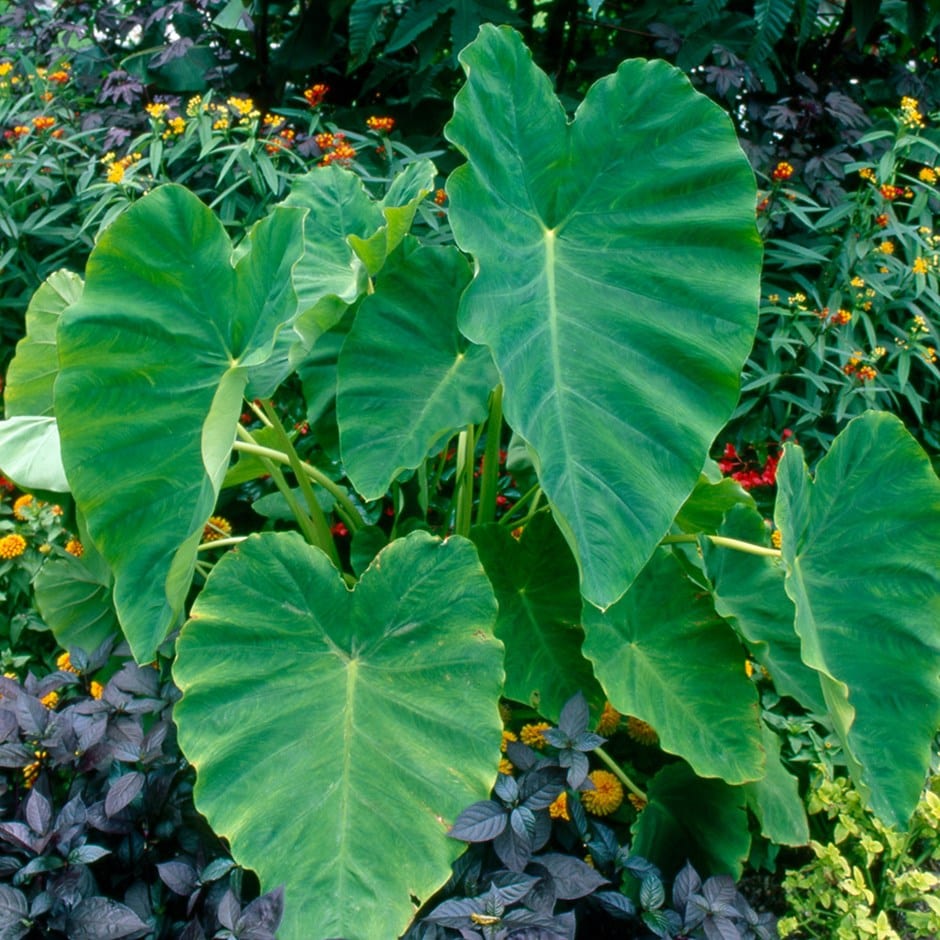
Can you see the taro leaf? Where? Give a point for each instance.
(689, 819)
(74, 598)
(322, 722)
(664, 656)
(404, 348)
(103, 919)
(776, 800)
(32, 372)
(30, 453)
(154, 361)
(536, 585)
(339, 207)
(617, 285)
(861, 544)
(399, 206)
(749, 592)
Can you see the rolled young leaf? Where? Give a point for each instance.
(617, 286)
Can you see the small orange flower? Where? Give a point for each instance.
(881, 220)
(43, 123)
(506, 766)
(96, 690)
(534, 734)
(316, 93)
(50, 700)
(12, 546)
(218, 527)
(842, 317)
(782, 171)
(641, 732)
(890, 193)
(20, 504)
(382, 124)
(609, 721)
(558, 808)
(64, 663)
(507, 737)
(606, 796)
(74, 547)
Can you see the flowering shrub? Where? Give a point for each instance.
(850, 296)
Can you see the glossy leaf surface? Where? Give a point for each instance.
(776, 799)
(663, 655)
(861, 543)
(536, 585)
(30, 453)
(323, 726)
(407, 378)
(617, 286)
(692, 820)
(154, 360)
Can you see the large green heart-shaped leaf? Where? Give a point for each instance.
(664, 655)
(617, 286)
(749, 591)
(536, 585)
(32, 372)
(154, 359)
(338, 734)
(861, 545)
(404, 349)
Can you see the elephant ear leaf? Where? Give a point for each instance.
(154, 359)
(324, 729)
(617, 286)
(861, 544)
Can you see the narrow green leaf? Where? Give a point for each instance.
(617, 286)
(323, 726)
(861, 543)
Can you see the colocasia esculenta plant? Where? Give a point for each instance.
(592, 317)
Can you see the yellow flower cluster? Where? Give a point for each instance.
(609, 721)
(64, 663)
(641, 732)
(117, 168)
(920, 266)
(927, 175)
(910, 113)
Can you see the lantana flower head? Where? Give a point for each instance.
(607, 795)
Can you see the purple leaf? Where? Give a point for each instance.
(179, 877)
(123, 791)
(479, 822)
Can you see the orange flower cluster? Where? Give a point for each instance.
(782, 171)
(890, 192)
(43, 123)
(864, 373)
(382, 124)
(336, 149)
(315, 94)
